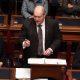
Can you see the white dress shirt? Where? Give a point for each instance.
(43, 33)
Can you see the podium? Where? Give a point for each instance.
(57, 72)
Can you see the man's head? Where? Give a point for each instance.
(39, 14)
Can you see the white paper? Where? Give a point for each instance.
(41, 79)
(23, 73)
(47, 61)
(62, 61)
(36, 61)
(51, 61)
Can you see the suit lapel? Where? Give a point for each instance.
(34, 29)
(46, 28)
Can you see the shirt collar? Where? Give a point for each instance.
(43, 23)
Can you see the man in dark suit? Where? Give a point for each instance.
(29, 35)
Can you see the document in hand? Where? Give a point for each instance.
(47, 61)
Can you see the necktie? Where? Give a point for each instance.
(40, 45)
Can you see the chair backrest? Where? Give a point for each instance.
(3, 20)
(16, 19)
(7, 73)
(69, 21)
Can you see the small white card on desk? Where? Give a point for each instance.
(36, 60)
(23, 73)
(51, 61)
(55, 61)
(62, 62)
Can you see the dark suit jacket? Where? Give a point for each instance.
(52, 36)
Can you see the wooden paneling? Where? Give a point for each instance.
(3, 25)
(15, 28)
(7, 73)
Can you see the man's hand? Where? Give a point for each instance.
(26, 43)
(48, 52)
(1, 64)
(70, 6)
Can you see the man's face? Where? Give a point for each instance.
(39, 17)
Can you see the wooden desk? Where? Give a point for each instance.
(70, 34)
(44, 70)
(70, 75)
(69, 21)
